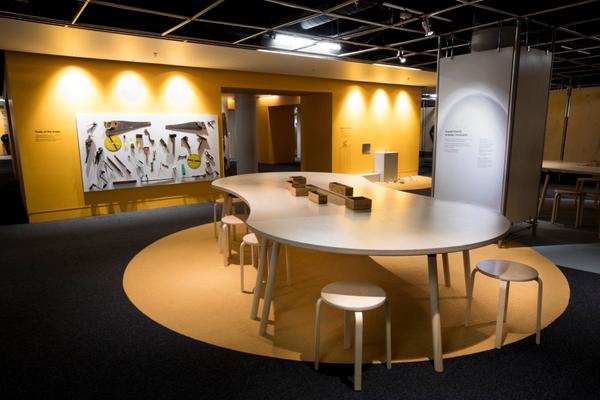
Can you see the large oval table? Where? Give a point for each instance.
(398, 224)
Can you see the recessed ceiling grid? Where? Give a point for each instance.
(401, 33)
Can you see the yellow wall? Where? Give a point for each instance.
(387, 118)
(266, 151)
(48, 91)
(554, 124)
(583, 129)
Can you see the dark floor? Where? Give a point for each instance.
(12, 210)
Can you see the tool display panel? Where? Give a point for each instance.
(133, 150)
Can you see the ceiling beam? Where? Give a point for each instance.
(136, 9)
(295, 21)
(188, 20)
(80, 11)
(340, 16)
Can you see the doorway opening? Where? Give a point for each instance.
(268, 128)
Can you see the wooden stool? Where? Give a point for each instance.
(354, 297)
(225, 238)
(578, 202)
(506, 272)
(234, 200)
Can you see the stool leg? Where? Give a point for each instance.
(358, 344)
(288, 267)
(555, 205)
(347, 328)
(506, 304)
(470, 288)
(215, 219)
(467, 269)
(446, 266)
(538, 325)
(225, 239)
(234, 233)
(500, 318)
(388, 334)
(253, 256)
(318, 333)
(242, 245)
(580, 204)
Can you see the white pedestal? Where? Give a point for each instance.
(386, 165)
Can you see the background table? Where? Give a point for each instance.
(399, 224)
(568, 167)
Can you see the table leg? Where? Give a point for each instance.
(543, 195)
(262, 257)
(467, 268)
(269, 289)
(436, 326)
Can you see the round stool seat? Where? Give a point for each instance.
(353, 296)
(505, 270)
(250, 239)
(232, 220)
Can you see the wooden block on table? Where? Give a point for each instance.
(298, 179)
(340, 188)
(299, 190)
(358, 203)
(317, 197)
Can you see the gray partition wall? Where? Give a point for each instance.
(490, 129)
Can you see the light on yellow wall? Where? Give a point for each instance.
(402, 103)
(131, 88)
(355, 102)
(75, 86)
(178, 91)
(380, 103)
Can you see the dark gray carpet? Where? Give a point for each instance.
(67, 330)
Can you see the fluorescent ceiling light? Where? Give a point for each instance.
(298, 43)
(291, 53)
(289, 42)
(323, 48)
(397, 66)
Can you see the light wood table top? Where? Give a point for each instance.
(399, 223)
(572, 167)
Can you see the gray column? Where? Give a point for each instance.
(245, 131)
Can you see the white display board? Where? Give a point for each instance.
(471, 139)
(133, 150)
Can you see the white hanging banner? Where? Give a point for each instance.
(471, 139)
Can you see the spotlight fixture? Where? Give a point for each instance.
(401, 57)
(427, 27)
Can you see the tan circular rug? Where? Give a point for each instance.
(180, 282)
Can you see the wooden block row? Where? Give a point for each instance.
(358, 203)
(340, 188)
(298, 179)
(317, 197)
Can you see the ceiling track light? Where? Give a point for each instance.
(427, 26)
(401, 57)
